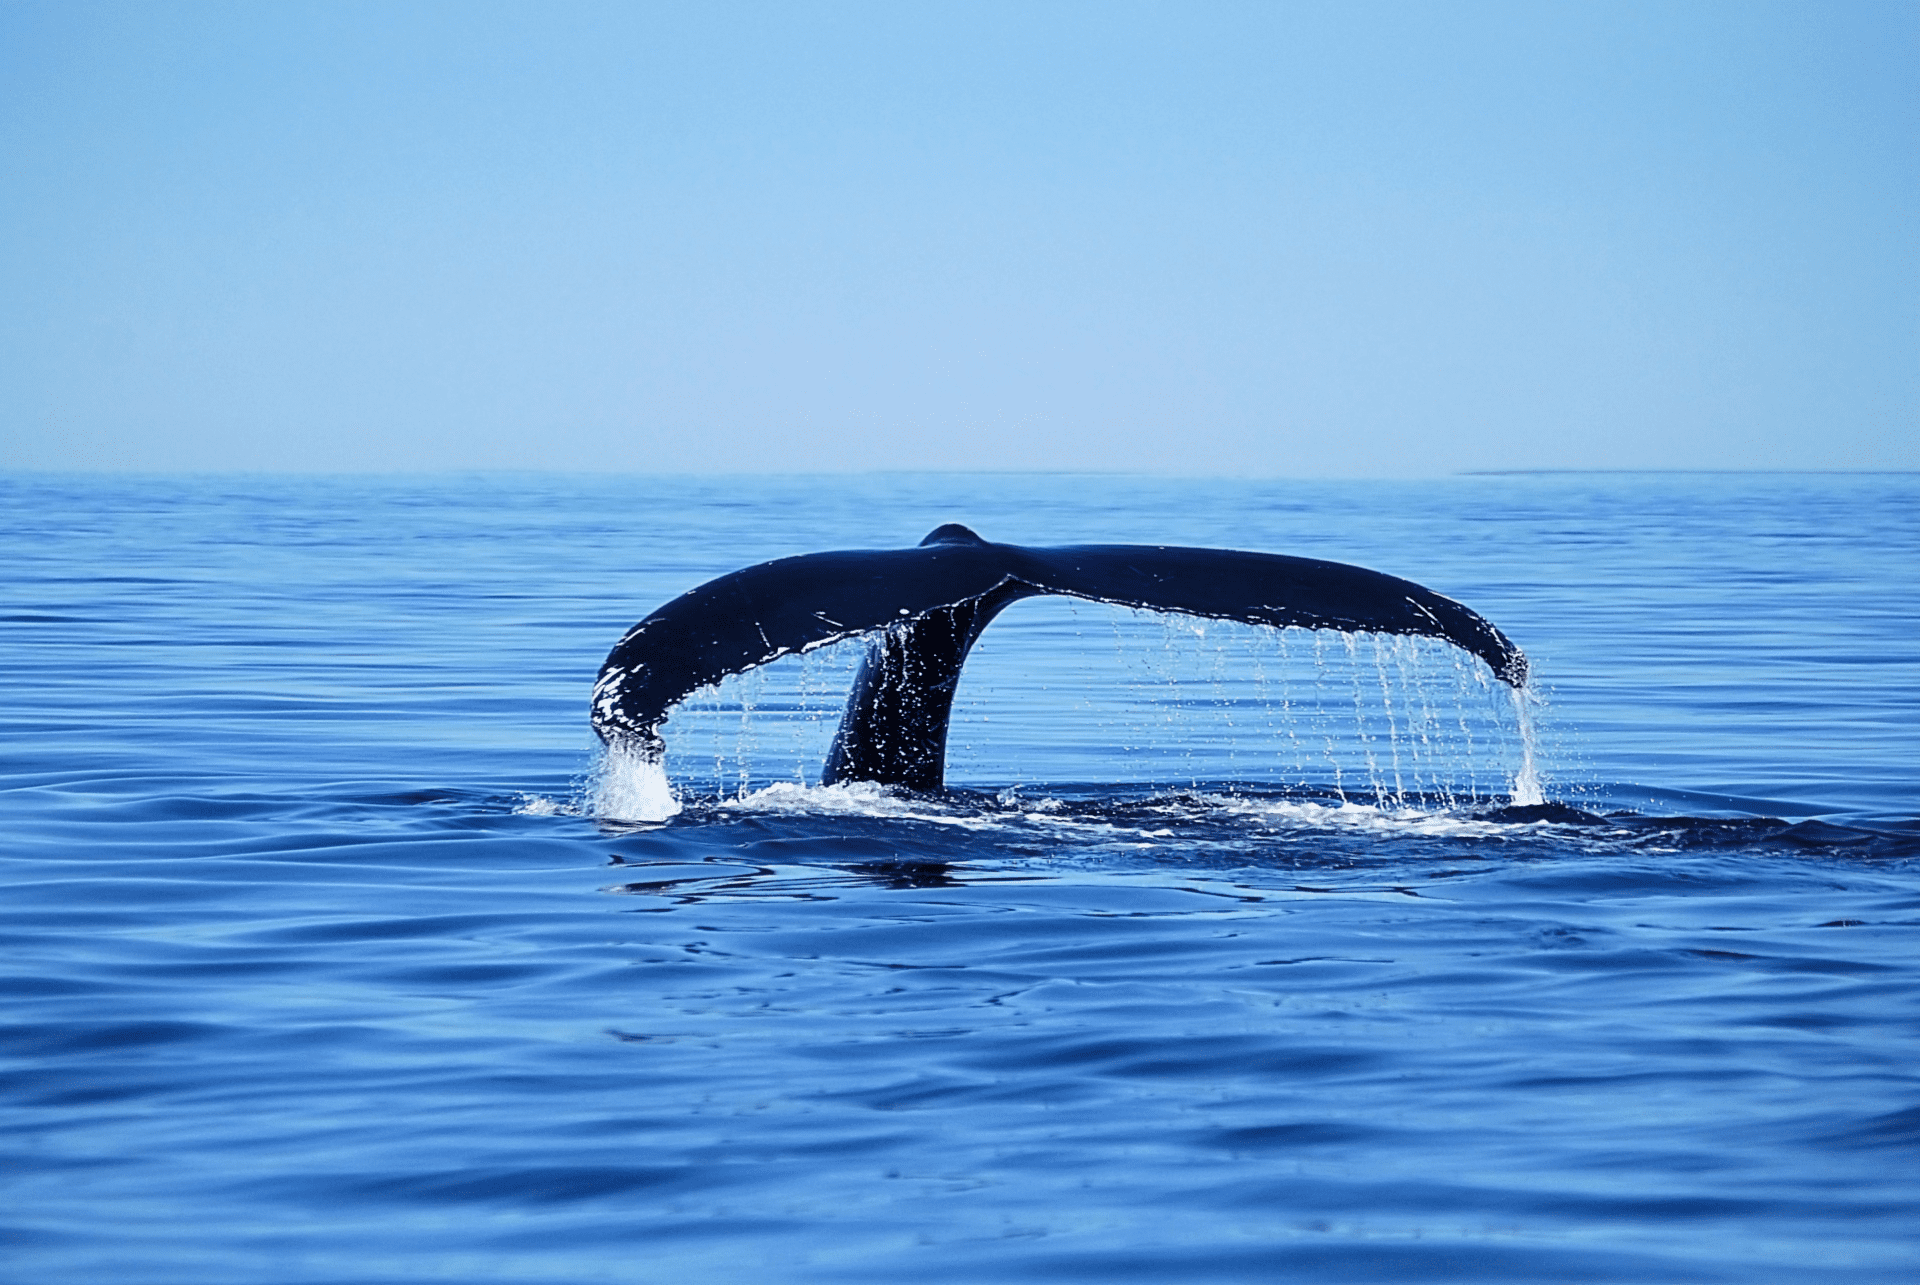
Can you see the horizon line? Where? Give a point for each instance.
(25, 470)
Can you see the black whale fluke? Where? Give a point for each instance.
(927, 605)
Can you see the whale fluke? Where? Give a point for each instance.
(927, 605)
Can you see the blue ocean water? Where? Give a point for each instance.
(1228, 960)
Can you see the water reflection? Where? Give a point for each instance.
(908, 874)
(686, 883)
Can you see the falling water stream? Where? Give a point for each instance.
(1178, 702)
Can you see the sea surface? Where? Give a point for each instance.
(1230, 956)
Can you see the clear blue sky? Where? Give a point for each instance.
(1280, 239)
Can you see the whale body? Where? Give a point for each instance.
(926, 606)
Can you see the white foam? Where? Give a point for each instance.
(629, 786)
(865, 799)
(539, 805)
(1361, 817)
(853, 798)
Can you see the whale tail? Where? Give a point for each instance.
(926, 606)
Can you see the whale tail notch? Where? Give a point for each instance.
(925, 607)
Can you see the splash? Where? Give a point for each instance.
(631, 786)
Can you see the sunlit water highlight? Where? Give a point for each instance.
(320, 966)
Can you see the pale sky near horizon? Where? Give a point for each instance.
(1247, 239)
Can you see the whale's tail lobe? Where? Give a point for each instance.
(927, 605)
